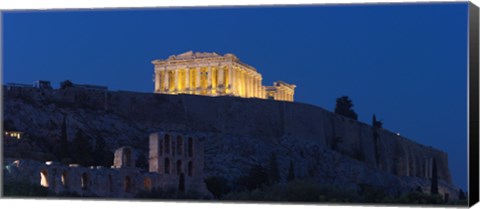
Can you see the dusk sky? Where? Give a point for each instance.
(406, 63)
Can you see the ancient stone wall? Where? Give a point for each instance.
(252, 128)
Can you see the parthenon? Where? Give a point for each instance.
(210, 74)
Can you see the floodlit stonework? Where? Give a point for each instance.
(169, 159)
(211, 74)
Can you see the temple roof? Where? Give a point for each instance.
(193, 55)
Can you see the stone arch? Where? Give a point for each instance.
(64, 179)
(147, 184)
(190, 168)
(179, 167)
(167, 165)
(84, 181)
(124, 157)
(190, 147)
(127, 184)
(179, 145)
(44, 178)
(167, 144)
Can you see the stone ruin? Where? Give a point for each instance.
(171, 155)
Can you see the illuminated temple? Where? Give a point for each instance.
(210, 74)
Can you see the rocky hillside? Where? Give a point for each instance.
(240, 133)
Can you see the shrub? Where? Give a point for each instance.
(217, 185)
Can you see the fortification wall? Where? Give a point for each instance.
(241, 131)
(273, 120)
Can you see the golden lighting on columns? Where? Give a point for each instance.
(211, 74)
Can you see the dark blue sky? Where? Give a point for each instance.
(406, 63)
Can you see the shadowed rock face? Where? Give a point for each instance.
(242, 132)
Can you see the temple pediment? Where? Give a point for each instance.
(193, 55)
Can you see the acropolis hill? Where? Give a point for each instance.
(239, 133)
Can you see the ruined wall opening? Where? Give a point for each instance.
(44, 178)
(110, 183)
(147, 184)
(127, 157)
(179, 145)
(84, 181)
(190, 168)
(161, 148)
(190, 147)
(64, 179)
(167, 144)
(127, 184)
(179, 167)
(167, 165)
(173, 147)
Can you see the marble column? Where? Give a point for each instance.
(220, 83)
(233, 81)
(260, 87)
(255, 89)
(175, 88)
(157, 81)
(209, 77)
(255, 93)
(198, 80)
(187, 80)
(254, 85)
(244, 91)
(167, 81)
(249, 84)
(214, 76)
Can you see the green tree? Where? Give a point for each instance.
(81, 150)
(141, 162)
(102, 156)
(273, 174)
(217, 185)
(336, 140)
(256, 177)
(64, 140)
(434, 182)
(461, 195)
(344, 106)
(66, 84)
(291, 172)
(376, 123)
(8, 125)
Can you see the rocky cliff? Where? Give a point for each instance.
(241, 133)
